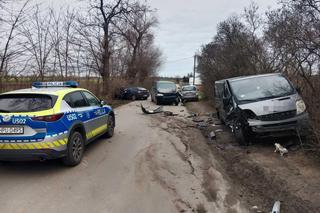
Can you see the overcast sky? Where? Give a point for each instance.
(185, 25)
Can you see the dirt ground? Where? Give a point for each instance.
(261, 176)
(165, 164)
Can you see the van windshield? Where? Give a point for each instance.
(25, 103)
(261, 88)
(166, 87)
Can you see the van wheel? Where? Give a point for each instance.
(218, 114)
(157, 101)
(242, 136)
(75, 149)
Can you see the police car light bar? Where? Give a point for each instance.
(72, 84)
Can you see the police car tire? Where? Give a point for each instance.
(110, 131)
(69, 159)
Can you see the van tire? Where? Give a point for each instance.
(242, 136)
(75, 149)
(157, 101)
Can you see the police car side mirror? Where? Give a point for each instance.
(102, 103)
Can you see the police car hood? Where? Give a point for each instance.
(270, 106)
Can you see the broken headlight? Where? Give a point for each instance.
(301, 106)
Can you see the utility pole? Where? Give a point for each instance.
(194, 69)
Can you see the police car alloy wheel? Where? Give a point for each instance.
(110, 131)
(75, 149)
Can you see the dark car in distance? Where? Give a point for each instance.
(164, 92)
(134, 93)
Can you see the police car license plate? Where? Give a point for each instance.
(10, 130)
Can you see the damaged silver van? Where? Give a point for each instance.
(261, 106)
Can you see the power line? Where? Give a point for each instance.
(177, 60)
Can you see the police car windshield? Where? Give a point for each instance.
(25, 103)
(261, 88)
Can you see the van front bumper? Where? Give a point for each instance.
(167, 99)
(298, 124)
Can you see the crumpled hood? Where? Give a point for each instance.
(283, 104)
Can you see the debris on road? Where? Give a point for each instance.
(149, 112)
(276, 207)
(198, 120)
(192, 115)
(212, 135)
(280, 149)
(202, 125)
(169, 113)
(254, 208)
(157, 111)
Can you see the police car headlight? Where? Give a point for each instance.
(301, 106)
(159, 95)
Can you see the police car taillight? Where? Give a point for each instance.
(48, 118)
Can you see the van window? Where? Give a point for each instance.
(226, 92)
(219, 89)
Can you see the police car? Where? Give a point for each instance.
(51, 120)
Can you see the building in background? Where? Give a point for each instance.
(197, 81)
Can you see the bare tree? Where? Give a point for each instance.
(39, 43)
(108, 13)
(63, 39)
(137, 31)
(14, 23)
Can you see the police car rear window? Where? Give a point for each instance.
(26, 102)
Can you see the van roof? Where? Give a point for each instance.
(246, 77)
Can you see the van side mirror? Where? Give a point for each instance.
(298, 89)
(226, 100)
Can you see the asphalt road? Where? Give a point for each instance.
(139, 170)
